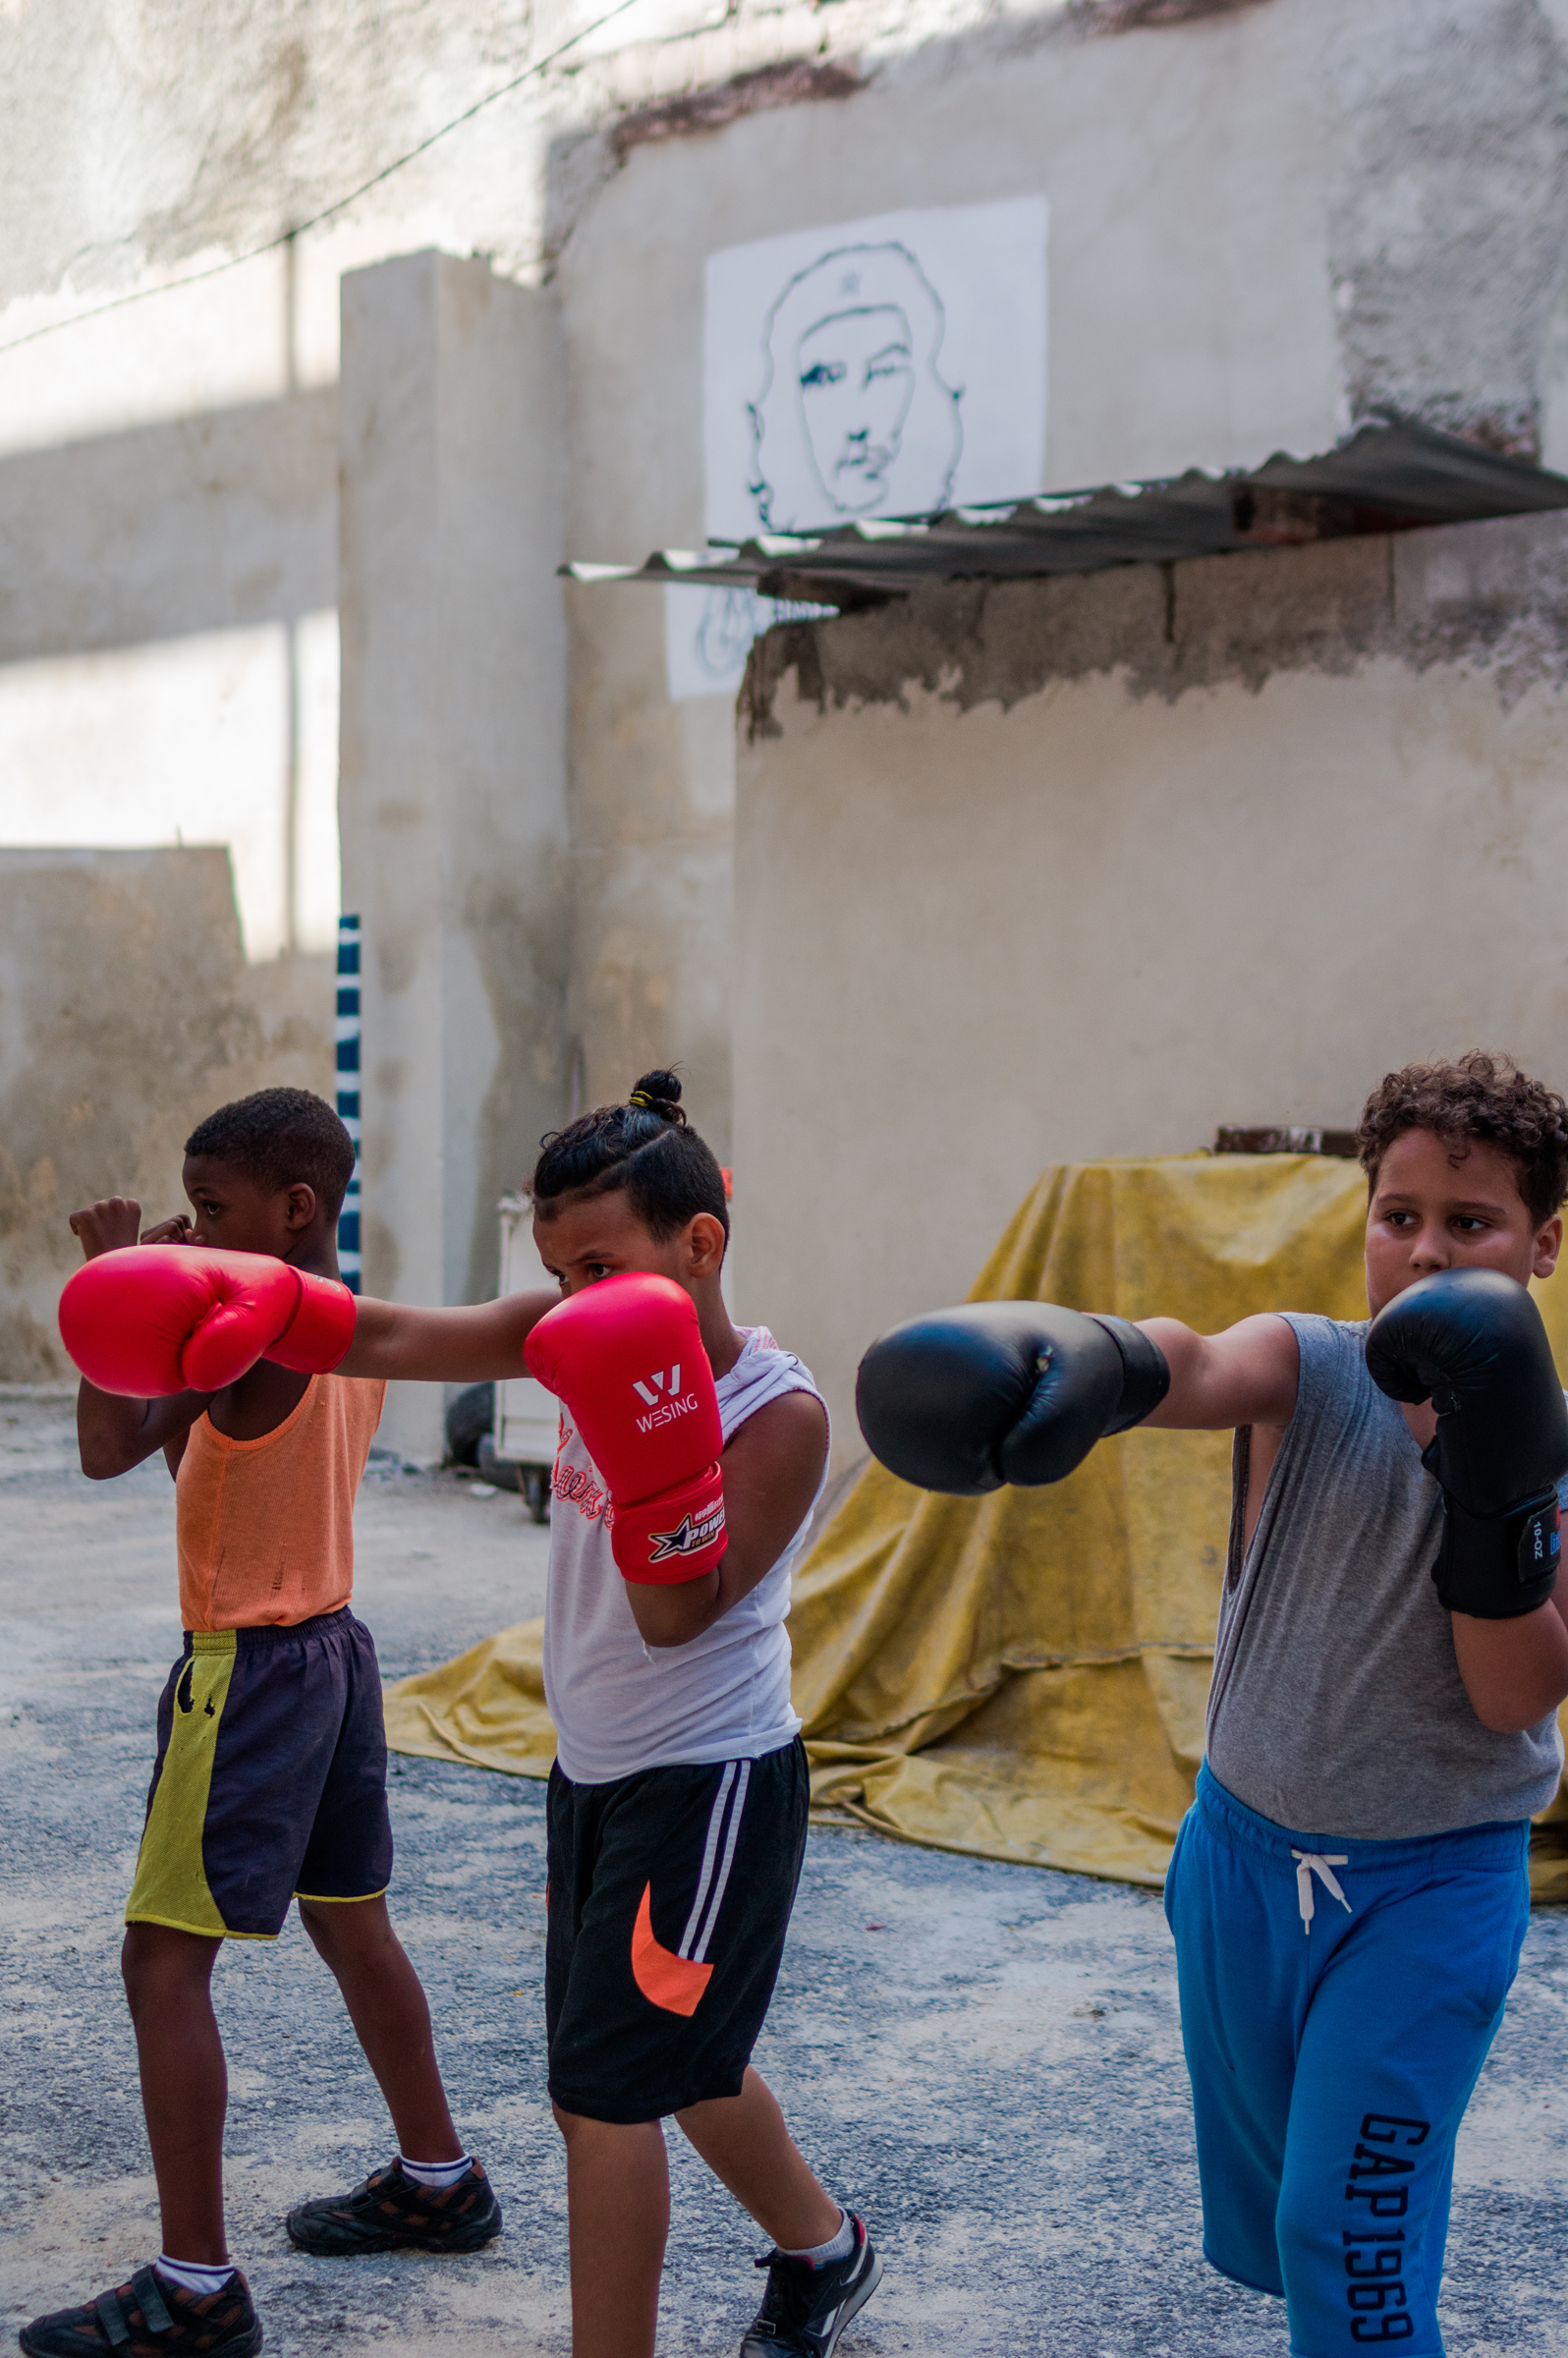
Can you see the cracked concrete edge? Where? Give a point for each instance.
(1492, 597)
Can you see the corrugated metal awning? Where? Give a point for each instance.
(1384, 478)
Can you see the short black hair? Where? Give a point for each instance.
(645, 1146)
(1482, 1095)
(278, 1138)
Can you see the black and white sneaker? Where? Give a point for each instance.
(806, 2309)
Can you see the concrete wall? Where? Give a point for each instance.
(453, 765)
(1186, 182)
(168, 678)
(127, 1013)
(1089, 868)
(168, 640)
(1267, 217)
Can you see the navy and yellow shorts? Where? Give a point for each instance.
(270, 1781)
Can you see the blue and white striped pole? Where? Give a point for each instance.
(348, 1043)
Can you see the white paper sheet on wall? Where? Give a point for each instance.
(708, 634)
(884, 367)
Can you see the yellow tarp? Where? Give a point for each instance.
(1023, 1676)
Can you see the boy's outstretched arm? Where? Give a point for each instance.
(1246, 1374)
(389, 1339)
(405, 1343)
(962, 1400)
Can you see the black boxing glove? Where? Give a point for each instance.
(1472, 1342)
(967, 1399)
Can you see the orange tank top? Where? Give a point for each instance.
(266, 1529)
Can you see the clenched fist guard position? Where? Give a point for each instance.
(691, 1453)
(1348, 1892)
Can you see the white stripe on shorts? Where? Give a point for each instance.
(731, 1839)
(715, 1828)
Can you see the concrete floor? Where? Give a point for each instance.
(983, 2058)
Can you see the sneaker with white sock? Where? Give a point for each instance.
(806, 2309)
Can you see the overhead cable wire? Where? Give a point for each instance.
(285, 236)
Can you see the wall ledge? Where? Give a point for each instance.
(1490, 596)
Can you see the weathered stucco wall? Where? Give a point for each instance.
(454, 770)
(145, 135)
(127, 1013)
(1185, 179)
(1267, 217)
(1089, 868)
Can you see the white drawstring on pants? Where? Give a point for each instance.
(1313, 1862)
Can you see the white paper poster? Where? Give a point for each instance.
(886, 366)
(708, 634)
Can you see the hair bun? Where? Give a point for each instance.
(659, 1092)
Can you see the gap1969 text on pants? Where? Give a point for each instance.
(1338, 1999)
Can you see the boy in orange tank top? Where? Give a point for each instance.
(270, 1779)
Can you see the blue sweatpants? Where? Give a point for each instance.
(1333, 2042)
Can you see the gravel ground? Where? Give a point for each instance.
(983, 2058)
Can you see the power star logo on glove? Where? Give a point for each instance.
(693, 1532)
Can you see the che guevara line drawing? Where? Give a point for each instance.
(853, 417)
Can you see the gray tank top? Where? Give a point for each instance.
(1337, 1707)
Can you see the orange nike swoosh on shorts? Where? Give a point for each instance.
(674, 1982)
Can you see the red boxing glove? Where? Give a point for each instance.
(155, 1318)
(626, 1356)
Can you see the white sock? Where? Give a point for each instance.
(435, 2174)
(191, 2276)
(838, 2247)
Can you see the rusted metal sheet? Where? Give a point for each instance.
(1341, 1143)
(1384, 478)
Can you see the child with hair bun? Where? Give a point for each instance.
(678, 1800)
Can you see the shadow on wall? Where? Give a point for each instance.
(127, 1012)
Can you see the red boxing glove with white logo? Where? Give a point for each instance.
(626, 1358)
(149, 1320)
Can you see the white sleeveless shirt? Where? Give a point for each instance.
(620, 1706)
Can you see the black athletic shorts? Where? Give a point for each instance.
(669, 1898)
(270, 1780)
